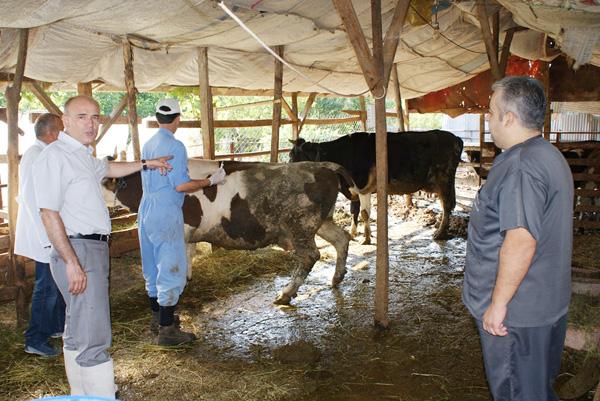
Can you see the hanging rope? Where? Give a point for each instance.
(281, 60)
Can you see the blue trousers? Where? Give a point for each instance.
(163, 249)
(47, 308)
(523, 365)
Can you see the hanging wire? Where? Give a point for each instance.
(440, 32)
(306, 77)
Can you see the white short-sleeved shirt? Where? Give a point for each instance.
(30, 235)
(67, 180)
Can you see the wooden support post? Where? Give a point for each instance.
(84, 88)
(392, 37)
(277, 97)
(481, 144)
(131, 99)
(307, 107)
(546, 81)
(13, 97)
(382, 264)
(374, 69)
(295, 131)
(363, 113)
(408, 200)
(206, 106)
(114, 115)
(39, 92)
(398, 99)
(488, 40)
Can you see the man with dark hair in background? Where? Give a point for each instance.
(47, 305)
(163, 248)
(518, 266)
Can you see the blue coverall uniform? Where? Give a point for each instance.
(160, 220)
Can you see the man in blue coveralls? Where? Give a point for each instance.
(160, 222)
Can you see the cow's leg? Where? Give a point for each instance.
(191, 252)
(308, 254)
(337, 237)
(354, 211)
(365, 211)
(447, 198)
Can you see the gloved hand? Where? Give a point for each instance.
(217, 177)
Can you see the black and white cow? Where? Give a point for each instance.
(260, 204)
(417, 161)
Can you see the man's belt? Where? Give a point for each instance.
(95, 237)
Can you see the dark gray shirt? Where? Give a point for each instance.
(530, 186)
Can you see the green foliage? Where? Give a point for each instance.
(146, 102)
(425, 121)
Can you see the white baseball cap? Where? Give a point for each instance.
(168, 107)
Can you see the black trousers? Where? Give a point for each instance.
(523, 365)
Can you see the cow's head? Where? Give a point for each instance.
(303, 151)
(125, 191)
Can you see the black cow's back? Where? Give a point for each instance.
(411, 155)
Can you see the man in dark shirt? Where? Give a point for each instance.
(518, 266)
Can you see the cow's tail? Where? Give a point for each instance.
(458, 148)
(347, 185)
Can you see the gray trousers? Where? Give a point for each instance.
(523, 365)
(87, 315)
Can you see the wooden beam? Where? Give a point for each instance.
(131, 99)
(381, 156)
(363, 112)
(295, 112)
(242, 105)
(345, 10)
(546, 80)
(119, 120)
(492, 52)
(84, 88)
(258, 123)
(481, 145)
(307, 107)
(398, 99)
(13, 97)
(114, 116)
(392, 38)
(277, 100)
(288, 110)
(43, 97)
(206, 107)
(3, 118)
(505, 53)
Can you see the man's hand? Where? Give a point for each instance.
(161, 164)
(76, 278)
(217, 177)
(493, 320)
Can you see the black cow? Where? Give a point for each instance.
(417, 161)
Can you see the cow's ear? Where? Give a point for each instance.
(293, 142)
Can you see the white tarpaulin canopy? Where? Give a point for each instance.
(73, 41)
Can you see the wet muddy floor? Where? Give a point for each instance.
(324, 347)
(429, 352)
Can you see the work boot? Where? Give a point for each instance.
(155, 322)
(172, 335)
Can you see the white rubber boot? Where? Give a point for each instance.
(74, 372)
(99, 380)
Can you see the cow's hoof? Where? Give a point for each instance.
(440, 236)
(367, 242)
(337, 280)
(283, 300)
